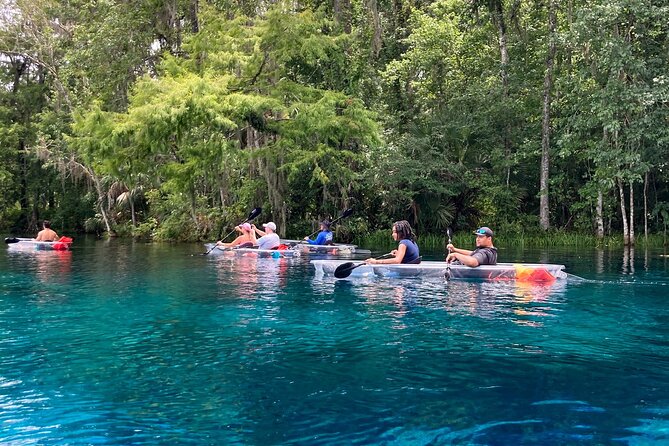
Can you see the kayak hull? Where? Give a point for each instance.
(29, 244)
(276, 253)
(531, 272)
(333, 250)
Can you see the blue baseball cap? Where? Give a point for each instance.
(484, 230)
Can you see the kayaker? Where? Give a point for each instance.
(269, 238)
(47, 234)
(407, 251)
(324, 237)
(247, 238)
(484, 254)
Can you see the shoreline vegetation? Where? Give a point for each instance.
(556, 239)
(527, 117)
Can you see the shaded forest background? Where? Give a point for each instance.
(171, 119)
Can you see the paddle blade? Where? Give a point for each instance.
(449, 233)
(344, 270)
(254, 213)
(9, 240)
(346, 213)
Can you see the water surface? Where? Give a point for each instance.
(130, 343)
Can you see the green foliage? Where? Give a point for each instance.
(174, 122)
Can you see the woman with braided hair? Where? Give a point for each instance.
(407, 251)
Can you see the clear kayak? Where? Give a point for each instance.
(334, 249)
(276, 253)
(30, 244)
(530, 272)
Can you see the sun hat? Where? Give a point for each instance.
(484, 230)
(246, 226)
(270, 225)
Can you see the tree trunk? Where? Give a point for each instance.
(623, 211)
(600, 217)
(342, 14)
(498, 19)
(132, 212)
(544, 215)
(645, 206)
(194, 20)
(101, 198)
(372, 7)
(631, 223)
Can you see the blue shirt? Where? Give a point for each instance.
(412, 253)
(323, 238)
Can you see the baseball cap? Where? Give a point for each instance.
(270, 225)
(326, 223)
(484, 230)
(246, 226)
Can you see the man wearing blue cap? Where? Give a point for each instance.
(484, 254)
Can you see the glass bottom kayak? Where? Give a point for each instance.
(335, 249)
(530, 272)
(276, 253)
(30, 244)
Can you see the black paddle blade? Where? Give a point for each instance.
(9, 240)
(344, 270)
(254, 213)
(346, 213)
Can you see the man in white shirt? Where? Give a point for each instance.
(269, 238)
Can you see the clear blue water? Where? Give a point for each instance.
(122, 343)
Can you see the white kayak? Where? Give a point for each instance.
(276, 253)
(30, 244)
(531, 272)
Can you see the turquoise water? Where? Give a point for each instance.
(122, 343)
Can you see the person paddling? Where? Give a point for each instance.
(247, 238)
(484, 254)
(407, 251)
(324, 237)
(47, 234)
(269, 238)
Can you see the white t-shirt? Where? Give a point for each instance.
(269, 241)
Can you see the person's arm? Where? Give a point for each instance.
(398, 253)
(465, 259)
(258, 231)
(238, 241)
(257, 242)
(320, 240)
(311, 242)
(452, 249)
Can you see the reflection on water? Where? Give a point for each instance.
(250, 276)
(49, 266)
(131, 343)
(520, 302)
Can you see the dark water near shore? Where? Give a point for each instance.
(130, 343)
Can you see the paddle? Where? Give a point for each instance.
(447, 274)
(9, 240)
(344, 214)
(344, 270)
(254, 213)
